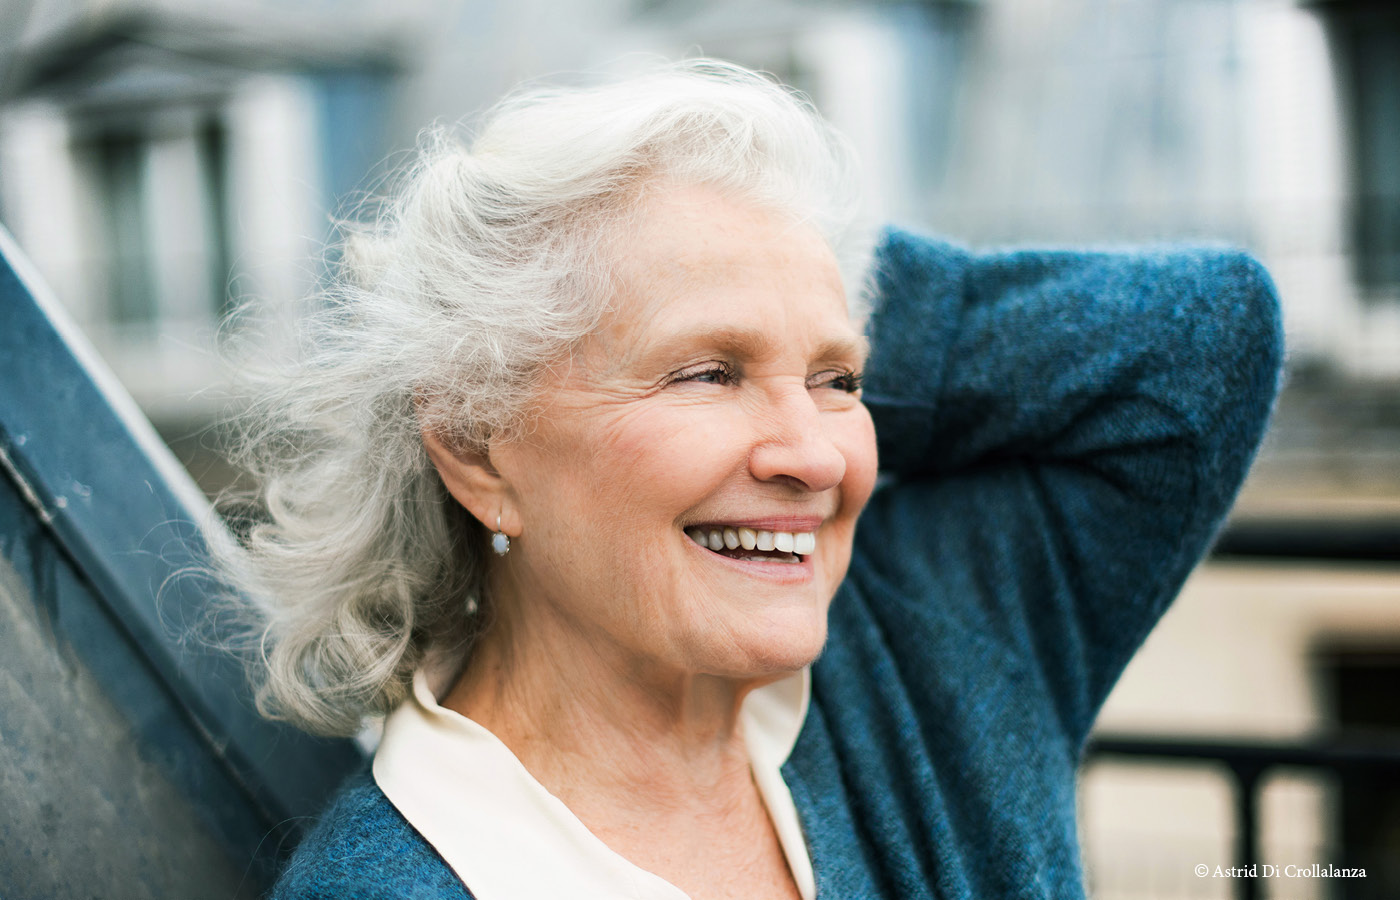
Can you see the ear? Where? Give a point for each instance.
(472, 481)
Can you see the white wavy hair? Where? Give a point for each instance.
(486, 264)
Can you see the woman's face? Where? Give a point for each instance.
(719, 394)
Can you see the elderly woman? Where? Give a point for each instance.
(568, 489)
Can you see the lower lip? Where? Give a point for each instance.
(775, 572)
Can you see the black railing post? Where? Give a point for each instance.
(1247, 853)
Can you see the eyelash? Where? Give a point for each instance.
(844, 380)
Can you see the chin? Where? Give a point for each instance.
(786, 644)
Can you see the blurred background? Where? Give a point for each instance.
(161, 162)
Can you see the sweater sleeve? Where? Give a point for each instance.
(1061, 434)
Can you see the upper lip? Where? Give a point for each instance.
(790, 524)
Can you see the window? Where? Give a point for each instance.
(118, 161)
(158, 190)
(1366, 45)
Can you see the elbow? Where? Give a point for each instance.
(1248, 326)
(1239, 326)
(1252, 290)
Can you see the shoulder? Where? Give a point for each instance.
(363, 847)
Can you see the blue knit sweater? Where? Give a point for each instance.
(1062, 433)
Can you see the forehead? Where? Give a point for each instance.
(698, 262)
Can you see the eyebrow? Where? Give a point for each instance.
(753, 343)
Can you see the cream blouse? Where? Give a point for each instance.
(508, 838)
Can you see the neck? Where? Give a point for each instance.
(651, 760)
(591, 722)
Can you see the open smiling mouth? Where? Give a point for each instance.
(753, 545)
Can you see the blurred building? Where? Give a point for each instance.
(161, 162)
(159, 165)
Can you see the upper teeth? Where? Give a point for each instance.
(800, 542)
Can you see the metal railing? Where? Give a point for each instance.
(1364, 540)
(1248, 762)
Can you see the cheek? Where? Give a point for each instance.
(607, 487)
(667, 458)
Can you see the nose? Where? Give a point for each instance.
(795, 445)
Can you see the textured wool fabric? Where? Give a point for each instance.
(1061, 435)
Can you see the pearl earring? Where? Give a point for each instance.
(500, 541)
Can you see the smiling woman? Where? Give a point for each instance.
(614, 342)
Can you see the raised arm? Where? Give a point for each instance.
(1063, 432)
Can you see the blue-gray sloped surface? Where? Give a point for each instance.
(101, 534)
